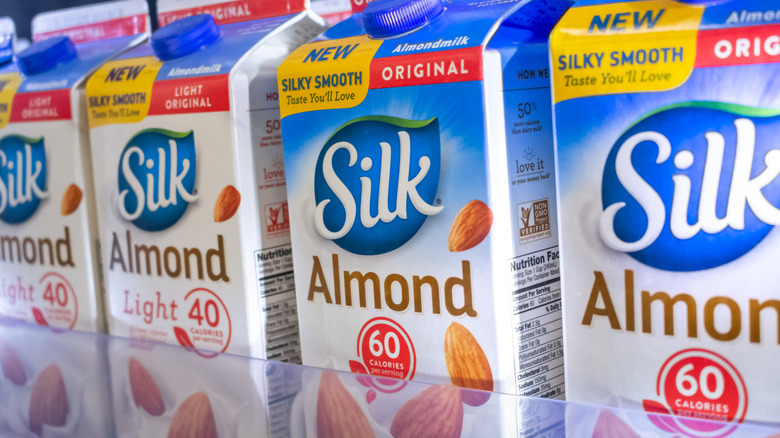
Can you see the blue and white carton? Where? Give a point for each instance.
(666, 117)
(420, 179)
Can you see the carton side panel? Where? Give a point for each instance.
(95, 267)
(259, 138)
(533, 271)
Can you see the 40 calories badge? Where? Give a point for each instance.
(59, 307)
(386, 351)
(695, 385)
(209, 329)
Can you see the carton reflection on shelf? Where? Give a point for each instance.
(58, 383)
(55, 383)
(159, 390)
(604, 422)
(334, 404)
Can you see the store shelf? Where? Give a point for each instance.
(91, 385)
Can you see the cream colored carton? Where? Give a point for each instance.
(49, 269)
(191, 184)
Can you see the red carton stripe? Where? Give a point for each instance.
(738, 46)
(358, 5)
(40, 106)
(118, 27)
(237, 11)
(202, 94)
(427, 68)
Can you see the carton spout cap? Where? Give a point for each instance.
(184, 37)
(45, 55)
(386, 18)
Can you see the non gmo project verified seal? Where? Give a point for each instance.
(534, 220)
(277, 219)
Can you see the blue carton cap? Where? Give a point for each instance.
(45, 55)
(184, 36)
(385, 18)
(6, 48)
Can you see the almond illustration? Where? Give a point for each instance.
(146, 393)
(227, 204)
(39, 318)
(610, 426)
(194, 418)
(13, 369)
(467, 364)
(436, 412)
(338, 414)
(48, 400)
(471, 226)
(71, 199)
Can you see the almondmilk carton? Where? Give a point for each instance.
(190, 179)
(666, 119)
(420, 177)
(49, 271)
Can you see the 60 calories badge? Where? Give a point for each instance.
(387, 352)
(704, 390)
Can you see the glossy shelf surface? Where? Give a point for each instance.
(58, 383)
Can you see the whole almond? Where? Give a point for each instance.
(13, 369)
(338, 414)
(227, 204)
(610, 426)
(71, 199)
(471, 226)
(436, 412)
(146, 393)
(49, 400)
(194, 418)
(467, 364)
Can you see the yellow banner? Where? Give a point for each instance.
(121, 91)
(624, 48)
(9, 83)
(326, 75)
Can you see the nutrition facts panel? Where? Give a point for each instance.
(274, 268)
(536, 306)
(276, 286)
